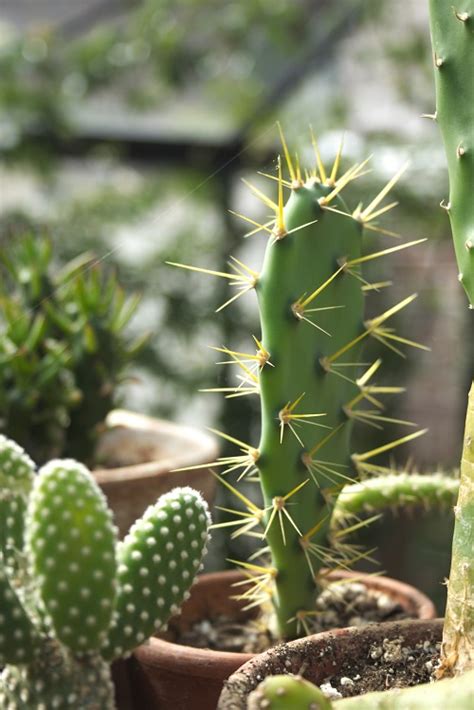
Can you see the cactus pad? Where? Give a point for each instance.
(71, 543)
(57, 680)
(18, 637)
(158, 561)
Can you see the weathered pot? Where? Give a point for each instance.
(143, 453)
(322, 655)
(166, 675)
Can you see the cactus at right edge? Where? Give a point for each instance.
(452, 35)
(71, 597)
(457, 651)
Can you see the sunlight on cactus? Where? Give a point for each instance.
(75, 598)
(313, 385)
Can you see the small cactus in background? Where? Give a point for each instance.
(282, 692)
(312, 384)
(63, 349)
(75, 598)
(452, 35)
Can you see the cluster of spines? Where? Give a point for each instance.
(306, 370)
(83, 596)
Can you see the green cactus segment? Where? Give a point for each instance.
(296, 265)
(17, 472)
(18, 636)
(71, 541)
(287, 692)
(453, 693)
(158, 561)
(12, 517)
(55, 679)
(394, 491)
(452, 34)
(458, 633)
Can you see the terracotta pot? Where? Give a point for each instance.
(144, 453)
(166, 675)
(322, 655)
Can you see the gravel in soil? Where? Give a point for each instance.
(388, 664)
(341, 604)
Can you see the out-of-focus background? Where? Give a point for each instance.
(126, 127)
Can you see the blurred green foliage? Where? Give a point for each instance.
(62, 351)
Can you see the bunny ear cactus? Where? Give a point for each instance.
(452, 34)
(80, 598)
(312, 384)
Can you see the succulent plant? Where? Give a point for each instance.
(452, 34)
(63, 349)
(72, 597)
(310, 377)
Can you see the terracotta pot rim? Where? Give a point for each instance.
(198, 447)
(247, 677)
(421, 605)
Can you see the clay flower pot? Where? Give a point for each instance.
(322, 655)
(142, 453)
(166, 675)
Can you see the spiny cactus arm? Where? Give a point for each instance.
(287, 692)
(18, 635)
(299, 388)
(457, 651)
(452, 35)
(70, 543)
(452, 693)
(158, 561)
(394, 491)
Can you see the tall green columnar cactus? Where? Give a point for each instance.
(458, 632)
(452, 34)
(312, 384)
(77, 598)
